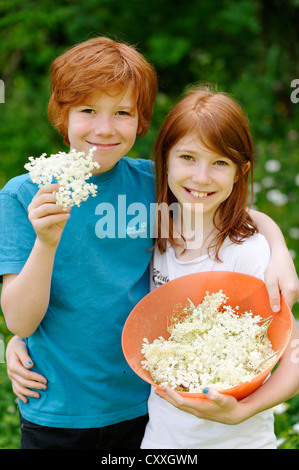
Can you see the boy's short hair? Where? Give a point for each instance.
(100, 65)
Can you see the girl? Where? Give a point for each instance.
(204, 154)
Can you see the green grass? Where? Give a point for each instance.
(9, 415)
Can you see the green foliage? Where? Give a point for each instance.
(9, 417)
(248, 47)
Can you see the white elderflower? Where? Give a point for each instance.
(209, 345)
(70, 170)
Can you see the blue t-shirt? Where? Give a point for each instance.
(101, 271)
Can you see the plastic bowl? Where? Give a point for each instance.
(149, 318)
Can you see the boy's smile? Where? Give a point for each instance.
(108, 122)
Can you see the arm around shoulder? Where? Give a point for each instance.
(280, 275)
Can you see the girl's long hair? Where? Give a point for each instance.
(222, 127)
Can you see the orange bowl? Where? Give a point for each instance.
(149, 318)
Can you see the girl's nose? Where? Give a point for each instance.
(201, 174)
(104, 125)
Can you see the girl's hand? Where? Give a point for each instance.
(281, 278)
(19, 364)
(217, 407)
(47, 218)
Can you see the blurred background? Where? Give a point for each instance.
(247, 47)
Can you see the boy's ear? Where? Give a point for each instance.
(139, 129)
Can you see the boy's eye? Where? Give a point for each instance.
(87, 111)
(123, 113)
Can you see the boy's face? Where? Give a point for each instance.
(108, 122)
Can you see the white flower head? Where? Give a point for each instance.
(209, 345)
(70, 170)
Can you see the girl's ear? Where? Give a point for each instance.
(246, 167)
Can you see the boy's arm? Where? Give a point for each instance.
(25, 296)
(280, 276)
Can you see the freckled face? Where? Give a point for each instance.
(107, 122)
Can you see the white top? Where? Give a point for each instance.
(171, 428)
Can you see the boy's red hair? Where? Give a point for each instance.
(222, 127)
(100, 65)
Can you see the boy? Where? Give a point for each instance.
(75, 291)
(67, 286)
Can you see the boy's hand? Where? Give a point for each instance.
(48, 219)
(19, 364)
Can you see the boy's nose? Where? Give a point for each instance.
(104, 125)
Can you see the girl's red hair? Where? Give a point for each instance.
(100, 65)
(220, 124)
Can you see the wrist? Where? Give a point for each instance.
(44, 247)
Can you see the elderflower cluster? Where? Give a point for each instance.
(209, 345)
(70, 170)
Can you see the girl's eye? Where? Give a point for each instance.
(221, 163)
(187, 157)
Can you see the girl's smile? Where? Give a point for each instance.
(198, 194)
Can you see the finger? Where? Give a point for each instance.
(22, 397)
(198, 407)
(274, 295)
(45, 208)
(48, 188)
(214, 396)
(25, 393)
(47, 221)
(25, 359)
(21, 374)
(45, 193)
(20, 371)
(171, 395)
(33, 381)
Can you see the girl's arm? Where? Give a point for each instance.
(282, 385)
(25, 382)
(280, 276)
(25, 296)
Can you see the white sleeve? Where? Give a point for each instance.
(252, 256)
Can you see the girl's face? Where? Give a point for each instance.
(197, 175)
(108, 122)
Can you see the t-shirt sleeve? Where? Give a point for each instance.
(253, 256)
(17, 235)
